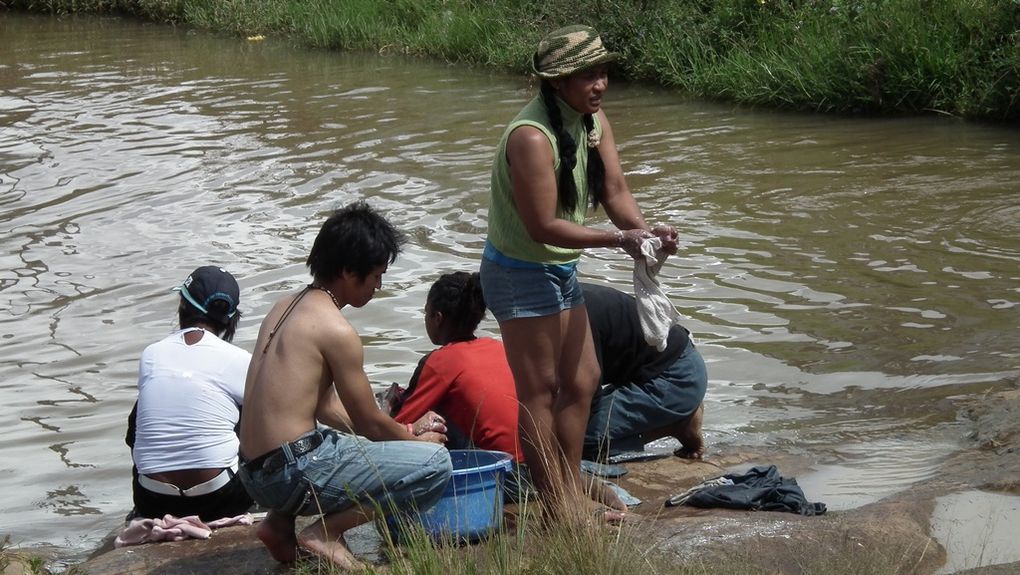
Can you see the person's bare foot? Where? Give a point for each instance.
(276, 532)
(314, 541)
(691, 438)
(612, 516)
(601, 492)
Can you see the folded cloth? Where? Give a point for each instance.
(760, 489)
(655, 312)
(170, 528)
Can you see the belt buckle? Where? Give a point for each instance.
(298, 447)
(305, 444)
(302, 446)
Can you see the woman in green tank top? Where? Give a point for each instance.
(556, 154)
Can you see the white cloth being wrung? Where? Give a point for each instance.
(655, 311)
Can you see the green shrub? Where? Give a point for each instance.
(958, 57)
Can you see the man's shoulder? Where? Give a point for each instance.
(311, 314)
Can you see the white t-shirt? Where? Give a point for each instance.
(188, 398)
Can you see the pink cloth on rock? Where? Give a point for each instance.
(170, 528)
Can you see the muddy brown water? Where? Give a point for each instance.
(843, 277)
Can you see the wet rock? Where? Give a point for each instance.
(893, 535)
(229, 551)
(775, 542)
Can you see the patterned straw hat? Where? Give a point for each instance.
(567, 50)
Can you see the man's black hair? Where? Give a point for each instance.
(354, 239)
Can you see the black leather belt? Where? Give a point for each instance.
(271, 461)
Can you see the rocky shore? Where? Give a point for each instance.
(897, 529)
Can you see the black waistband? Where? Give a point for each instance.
(274, 459)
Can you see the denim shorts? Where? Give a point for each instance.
(347, 470)
(518, 292)
(623, 413)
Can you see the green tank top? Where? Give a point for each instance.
(506, 229)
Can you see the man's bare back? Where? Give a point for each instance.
(288, 373)
(307, 369)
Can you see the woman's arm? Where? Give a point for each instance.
(534, 190)
(619, 203)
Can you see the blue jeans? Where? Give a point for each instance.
(346, 470)
(623, 413)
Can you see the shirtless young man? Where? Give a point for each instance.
(307, 367)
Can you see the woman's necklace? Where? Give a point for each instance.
(331, 296)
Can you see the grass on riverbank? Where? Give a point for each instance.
(13, 562)
(580, 546)
(959, 57)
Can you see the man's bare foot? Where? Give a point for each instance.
(691, 438)
(314, 541)
(276, 532)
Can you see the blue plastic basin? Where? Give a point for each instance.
(471, 507)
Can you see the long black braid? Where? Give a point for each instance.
(596, 169)
(565, 187)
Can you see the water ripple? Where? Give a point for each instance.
(842, 277)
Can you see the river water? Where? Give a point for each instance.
(844, 277)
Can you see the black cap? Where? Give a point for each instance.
(208, 284)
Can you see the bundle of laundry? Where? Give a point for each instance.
(760, 489)
(655, 312)
(169, 528)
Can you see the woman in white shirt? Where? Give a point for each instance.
(182, 430)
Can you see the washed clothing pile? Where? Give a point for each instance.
(169, 528)
(760, 489)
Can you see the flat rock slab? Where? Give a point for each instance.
(229, 551)
(769, 541)
(894, 532)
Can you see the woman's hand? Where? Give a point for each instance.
(668, 235)
(631, 240)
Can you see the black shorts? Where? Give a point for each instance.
(227, 501)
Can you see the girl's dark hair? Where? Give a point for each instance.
(355, 238)
(458, 296)
(190, 316)
(565, 186)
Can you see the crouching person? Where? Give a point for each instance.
(645, 394)
(190, 387)
(307, 368)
